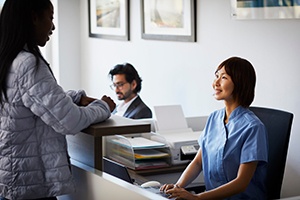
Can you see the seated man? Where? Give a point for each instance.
(127, 85)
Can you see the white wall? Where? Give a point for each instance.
(182, 73)
(64, 47)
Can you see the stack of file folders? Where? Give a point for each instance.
(138, 152)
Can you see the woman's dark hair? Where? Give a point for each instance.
(243, 76)
(130, 75)
(16, 31)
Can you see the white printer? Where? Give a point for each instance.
(171, 125)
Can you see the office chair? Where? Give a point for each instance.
(278, 124)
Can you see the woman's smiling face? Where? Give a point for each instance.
(223, 86)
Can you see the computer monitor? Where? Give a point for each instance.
(116, 169)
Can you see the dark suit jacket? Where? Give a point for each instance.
(138, 110)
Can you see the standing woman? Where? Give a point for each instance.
(233, 149)
(36, 113)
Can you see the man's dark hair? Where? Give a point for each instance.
(130, 74)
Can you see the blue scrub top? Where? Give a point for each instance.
(224, 147)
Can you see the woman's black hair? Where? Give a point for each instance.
(243, 77)
(16, 31)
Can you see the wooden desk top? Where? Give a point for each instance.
(117, 125)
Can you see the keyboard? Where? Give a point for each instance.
(156, 190)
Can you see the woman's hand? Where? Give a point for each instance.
(109, 101)
(166, 187)
(177, 192)
(85, 100)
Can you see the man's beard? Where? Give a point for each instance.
(124, 96)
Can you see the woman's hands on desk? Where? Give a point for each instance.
(177, 192)
(109, 101)
(85, 100)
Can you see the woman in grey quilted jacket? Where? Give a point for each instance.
(35, 112)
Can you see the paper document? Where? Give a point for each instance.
(179, 137)
(148, 164)
(169, 117)
(138, 142)
(149, 154)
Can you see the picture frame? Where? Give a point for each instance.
(109, 19)
(170, 20)
(259, 9)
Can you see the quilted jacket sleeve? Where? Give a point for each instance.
(76, 95)
(47, 100)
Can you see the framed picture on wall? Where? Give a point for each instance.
(173, 20)
(261, 9)
(109, 19)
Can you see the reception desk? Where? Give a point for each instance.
(92, 184)
(87, 146)
(86, 149)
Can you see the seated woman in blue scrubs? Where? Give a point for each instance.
(233, 151)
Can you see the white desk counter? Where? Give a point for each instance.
(291, 198)
(93, 184)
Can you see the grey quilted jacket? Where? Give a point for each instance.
(34, 121)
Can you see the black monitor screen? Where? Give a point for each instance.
(116, 169)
